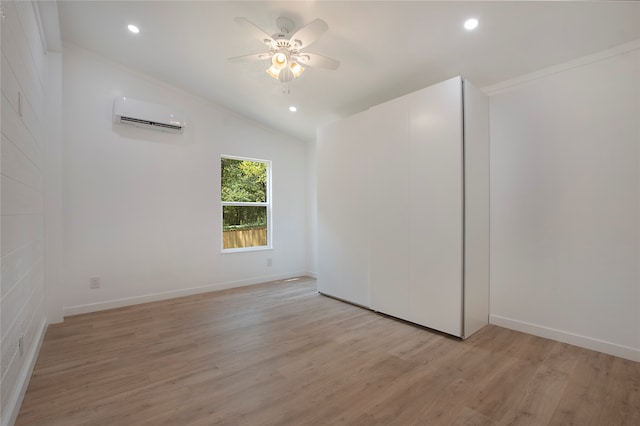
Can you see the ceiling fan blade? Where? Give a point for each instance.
(309, 33)
(318, 61)
(256, 31)
(252, 57)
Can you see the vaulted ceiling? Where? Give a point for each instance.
(386, 49)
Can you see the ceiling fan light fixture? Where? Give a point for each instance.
(285, 74)
(284, 48)
(273, 71)
(296, 69)
(278, 64)
(279, 60)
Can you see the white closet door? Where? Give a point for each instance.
(388, 206)
(343, 223)
(436, 206)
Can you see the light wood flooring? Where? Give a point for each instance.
(281, 354)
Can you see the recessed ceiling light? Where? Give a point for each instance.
(133, 28)
(471, 24)
(292, 108)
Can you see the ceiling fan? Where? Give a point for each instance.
(285, 48)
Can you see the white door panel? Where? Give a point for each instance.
(343, 225)
(436, 206)
(388, 206)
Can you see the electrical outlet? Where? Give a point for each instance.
(94, 282)
(21, 345)
(269, 261)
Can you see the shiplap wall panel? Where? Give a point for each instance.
(27, 323)
(33, 124)
(16, 48)
(13, 48)
(17, 264)
(18, 166)
(16, 131)
(22, 189)
(18, 198)
(17, 229)
(10, 85)
(22, 290)
(27, 19)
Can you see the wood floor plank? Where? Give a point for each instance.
(281, 354)
(503, 387)
(621, 403)
(470, 417)
(585, 398)
(540, 400)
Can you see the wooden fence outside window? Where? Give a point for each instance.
(239, 238)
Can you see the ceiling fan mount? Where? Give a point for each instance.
(285, 24)
(284, 48)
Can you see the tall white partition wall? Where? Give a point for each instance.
(416, 244)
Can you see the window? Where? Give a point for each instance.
(246, 203)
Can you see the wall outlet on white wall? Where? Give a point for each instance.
(94, 282)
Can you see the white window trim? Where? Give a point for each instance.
(267, 204)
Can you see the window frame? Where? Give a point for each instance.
(267, 204)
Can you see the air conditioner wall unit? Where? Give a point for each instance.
(148, 115)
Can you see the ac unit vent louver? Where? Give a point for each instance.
(148, 115)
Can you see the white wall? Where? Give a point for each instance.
(53, 190)
(142, 209)
(565, 212)
(25, 135)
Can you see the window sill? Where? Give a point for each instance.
(245, 249)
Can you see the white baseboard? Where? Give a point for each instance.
(15, 400)
(614, 349)
(154, 297)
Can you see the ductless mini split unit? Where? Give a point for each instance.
(148, 115)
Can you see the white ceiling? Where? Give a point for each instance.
(386, 49)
